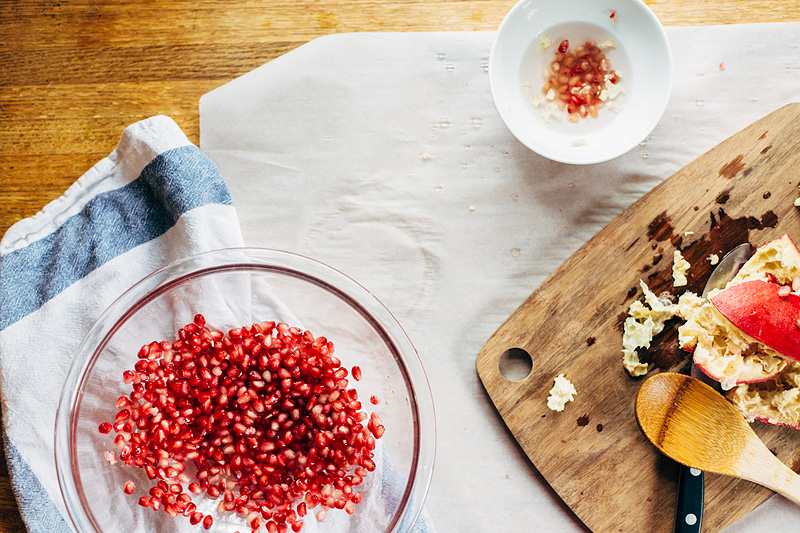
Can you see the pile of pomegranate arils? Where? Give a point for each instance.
(259, 418)
(578, 79)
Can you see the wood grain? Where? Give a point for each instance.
(593, 453)
(76, 72)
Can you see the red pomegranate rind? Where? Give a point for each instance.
(762, 310)
(777, 261)
(765, 420)
(263, 413)
(744, 376)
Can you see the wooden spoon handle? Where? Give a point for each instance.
(767, 470)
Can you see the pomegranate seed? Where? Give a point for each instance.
(129, 486)
(104, 428)
(578, 79)
(144, 501)
(374, 400)
(264, 414)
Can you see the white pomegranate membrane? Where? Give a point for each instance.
(580, 81)
(259, 418)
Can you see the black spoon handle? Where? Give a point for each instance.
(689, 511)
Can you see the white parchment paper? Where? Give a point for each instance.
(382, 155)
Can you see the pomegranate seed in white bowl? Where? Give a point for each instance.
(231, 391)
(580, 81)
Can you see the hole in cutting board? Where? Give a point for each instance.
(515, 364)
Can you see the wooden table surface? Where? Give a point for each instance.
(76, 72)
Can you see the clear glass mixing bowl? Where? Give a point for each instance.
(233, 288)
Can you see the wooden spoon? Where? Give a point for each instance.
(696, 426)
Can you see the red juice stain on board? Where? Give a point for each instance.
(660, 229)
(724, 234)
(732, 168)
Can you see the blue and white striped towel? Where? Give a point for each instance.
(155, 199)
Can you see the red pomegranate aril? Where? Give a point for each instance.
(129, 486)
(578, 79)
(104, 428)
(206, 397)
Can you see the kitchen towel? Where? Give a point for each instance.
(155, 199)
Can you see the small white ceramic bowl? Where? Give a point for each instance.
(641, 54)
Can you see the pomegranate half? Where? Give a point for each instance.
(765, 311)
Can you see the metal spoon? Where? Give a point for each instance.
(691, 482)
(696, 426)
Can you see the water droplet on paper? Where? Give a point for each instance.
(485, 65)
(440, 57)
(515, 197)
(444, 123)
(515, 252)
(467, 147)
(506, 154)
(477, 123)
(699, 103)
(571, 185)
(437, 188)
(464, 166)
(497, 169)
(327, 139)
(644, 155)
(643, 143)
(471, 208)
(450, 67)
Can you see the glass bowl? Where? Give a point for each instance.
(636, 47)
(233, 288)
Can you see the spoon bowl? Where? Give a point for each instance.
(696, 426)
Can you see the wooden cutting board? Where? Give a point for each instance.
(593, 453)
